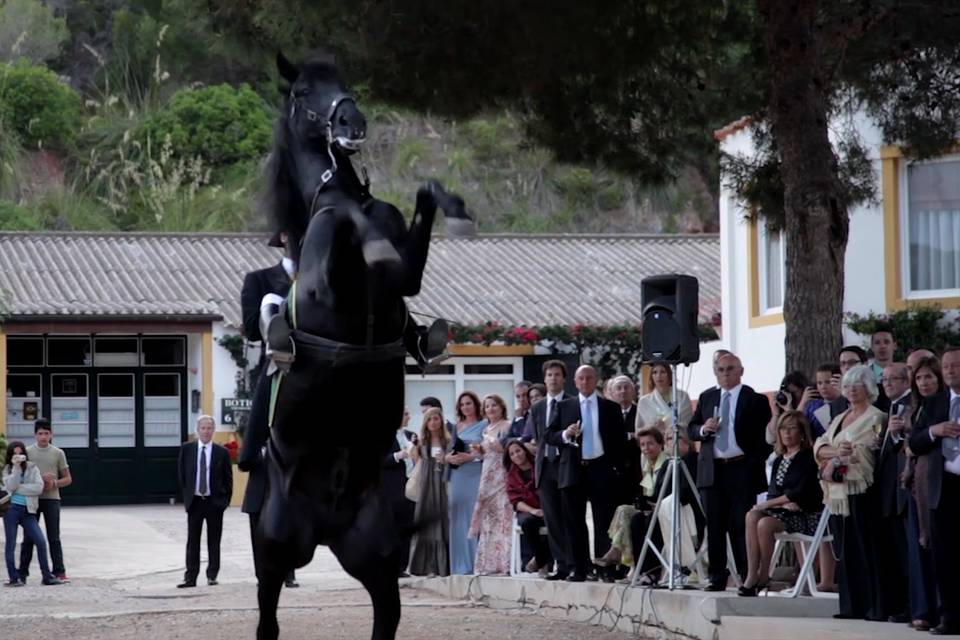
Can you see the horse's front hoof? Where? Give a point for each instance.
(268, 631)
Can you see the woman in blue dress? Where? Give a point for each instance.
(465, 466)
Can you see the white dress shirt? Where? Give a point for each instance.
(733, 447)
(593, 427)
(289, 266)
(205, 450)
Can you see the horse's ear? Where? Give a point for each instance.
(288, 70)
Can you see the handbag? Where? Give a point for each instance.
(412, 488)
(4, 501)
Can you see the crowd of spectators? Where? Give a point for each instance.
(869, 443)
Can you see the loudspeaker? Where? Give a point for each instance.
(670, 312)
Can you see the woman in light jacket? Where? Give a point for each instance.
(845, 454)
(655, 409)
(22, 480)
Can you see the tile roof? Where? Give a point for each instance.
(512, 279)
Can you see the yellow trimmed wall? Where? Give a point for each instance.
(756, 318)
(891, 161)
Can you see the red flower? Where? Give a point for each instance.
(232, 448)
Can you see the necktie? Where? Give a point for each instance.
(951, 446)
(586, 431)
(551, 411)
(203, 471)
(723, 436)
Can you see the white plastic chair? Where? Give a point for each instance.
(516, 570)
(808, 547)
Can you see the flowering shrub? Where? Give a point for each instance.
(233, 448)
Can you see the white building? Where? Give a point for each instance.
(904, 249)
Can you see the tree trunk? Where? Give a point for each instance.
(816, 220)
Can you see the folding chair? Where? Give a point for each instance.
(808, 547)
(516, 570)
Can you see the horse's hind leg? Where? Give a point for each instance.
(378, 575)
(268, 597)
(370, 552)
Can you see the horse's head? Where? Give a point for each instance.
(320, 107)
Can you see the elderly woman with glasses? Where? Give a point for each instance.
(846, 457)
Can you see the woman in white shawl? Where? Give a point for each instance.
(655, 409)
(845, 454)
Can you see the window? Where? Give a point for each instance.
(69, 410)
(25, 352)
(69, 352)
(931, 217)
(163, 351)
(115, 352)
(480, 375)
(116, 410)
(162, 410)
(24, 393)
(771, 270)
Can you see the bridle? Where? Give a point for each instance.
(347, 144)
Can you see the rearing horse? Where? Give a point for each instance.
(336, 406)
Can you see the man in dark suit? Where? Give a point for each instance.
(274, 280)
(625, 394)
(730, 423)
(522, 406)
(937, 435)
(206, 483)
(395, 468)
(541, 414)
(891, 538)
(589, 433)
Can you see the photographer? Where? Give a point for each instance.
(845, 454)
(23, 481)
(792, 396)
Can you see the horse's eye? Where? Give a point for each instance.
(300, 93)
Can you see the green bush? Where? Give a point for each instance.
(13, 217)
(220, 124)
(42, 110)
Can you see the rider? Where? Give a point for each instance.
(275, 280)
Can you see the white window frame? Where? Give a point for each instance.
(461, 379)
(763, 248)
(903, 218)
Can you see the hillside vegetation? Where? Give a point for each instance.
(131, 115)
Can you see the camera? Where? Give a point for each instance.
(782, 397)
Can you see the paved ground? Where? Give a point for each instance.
(124, 563)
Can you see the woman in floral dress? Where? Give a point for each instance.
(493, 514)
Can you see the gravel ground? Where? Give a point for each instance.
(124, 563)
(335, 614)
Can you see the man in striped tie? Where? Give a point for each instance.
(206, 484)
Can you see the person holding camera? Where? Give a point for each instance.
(845, 454)
(24, 482)
(793, 391)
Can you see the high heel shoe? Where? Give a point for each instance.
(754, 591)
(609, 559)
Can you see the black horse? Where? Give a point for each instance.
(338, 339)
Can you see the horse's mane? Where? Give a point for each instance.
(282, 201)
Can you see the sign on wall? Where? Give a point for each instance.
(234, 412)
